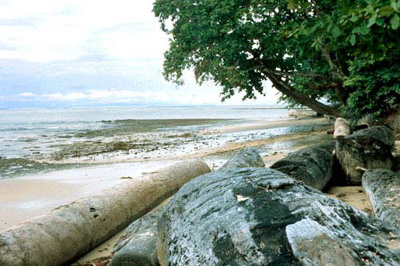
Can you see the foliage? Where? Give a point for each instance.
(345, 51)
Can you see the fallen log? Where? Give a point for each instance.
(383, 190)
(69, 231)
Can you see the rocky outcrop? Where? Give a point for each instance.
(248, 157)
(71, 230)
(383, 190)
(259, 216)
(342, 128)
(368, 148)
(312, 166)
(138, 244)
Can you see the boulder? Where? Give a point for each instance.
(312, 165)
(342, 128)
(383, 190)
(248, 157)
(138, 244)
(368, 148)
(260, 216)
(69, 231)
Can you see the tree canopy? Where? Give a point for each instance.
(345, 51)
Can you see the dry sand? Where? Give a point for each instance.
(24, 197)
(353, 195)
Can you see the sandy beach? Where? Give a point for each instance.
(25, 197)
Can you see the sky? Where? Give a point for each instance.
(78, 53)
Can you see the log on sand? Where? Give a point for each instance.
(71, 230)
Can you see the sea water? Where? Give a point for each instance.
(29, 137)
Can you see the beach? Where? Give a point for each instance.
(34, 183)
(91, 162)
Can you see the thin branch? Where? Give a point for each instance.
(298, 74)
(337, 72)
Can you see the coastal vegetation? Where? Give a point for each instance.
(345, 53)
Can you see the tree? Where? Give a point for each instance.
(308, 50)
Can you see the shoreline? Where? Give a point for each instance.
(25, 196)
(31, 195)
(218, 147)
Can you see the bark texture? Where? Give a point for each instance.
(71, 230)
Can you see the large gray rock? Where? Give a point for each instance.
(368, 148)
(313, 165)
(138, 244)
(260, 216)
(383, 189)
(248, 157)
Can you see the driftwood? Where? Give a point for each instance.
(342, 128)
(383, 190)
(71, 230)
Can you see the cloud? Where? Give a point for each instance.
(127, 96)
(47, 31)
(111, 96)
(73, 51)
(26, 94)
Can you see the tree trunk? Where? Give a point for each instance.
(299, 97)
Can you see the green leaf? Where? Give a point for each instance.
(386, 11)
(393, 4)
(394, 21)
(336, 32)
(356, 30)
(380, 22)
(292, 4)
(353, 39)
(353, 18)
(372, 21)
(364, 30)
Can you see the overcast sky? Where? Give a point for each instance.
(87, 53)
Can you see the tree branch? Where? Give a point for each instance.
(337, 73)
(298, 74)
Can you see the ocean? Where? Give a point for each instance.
(33, 140)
